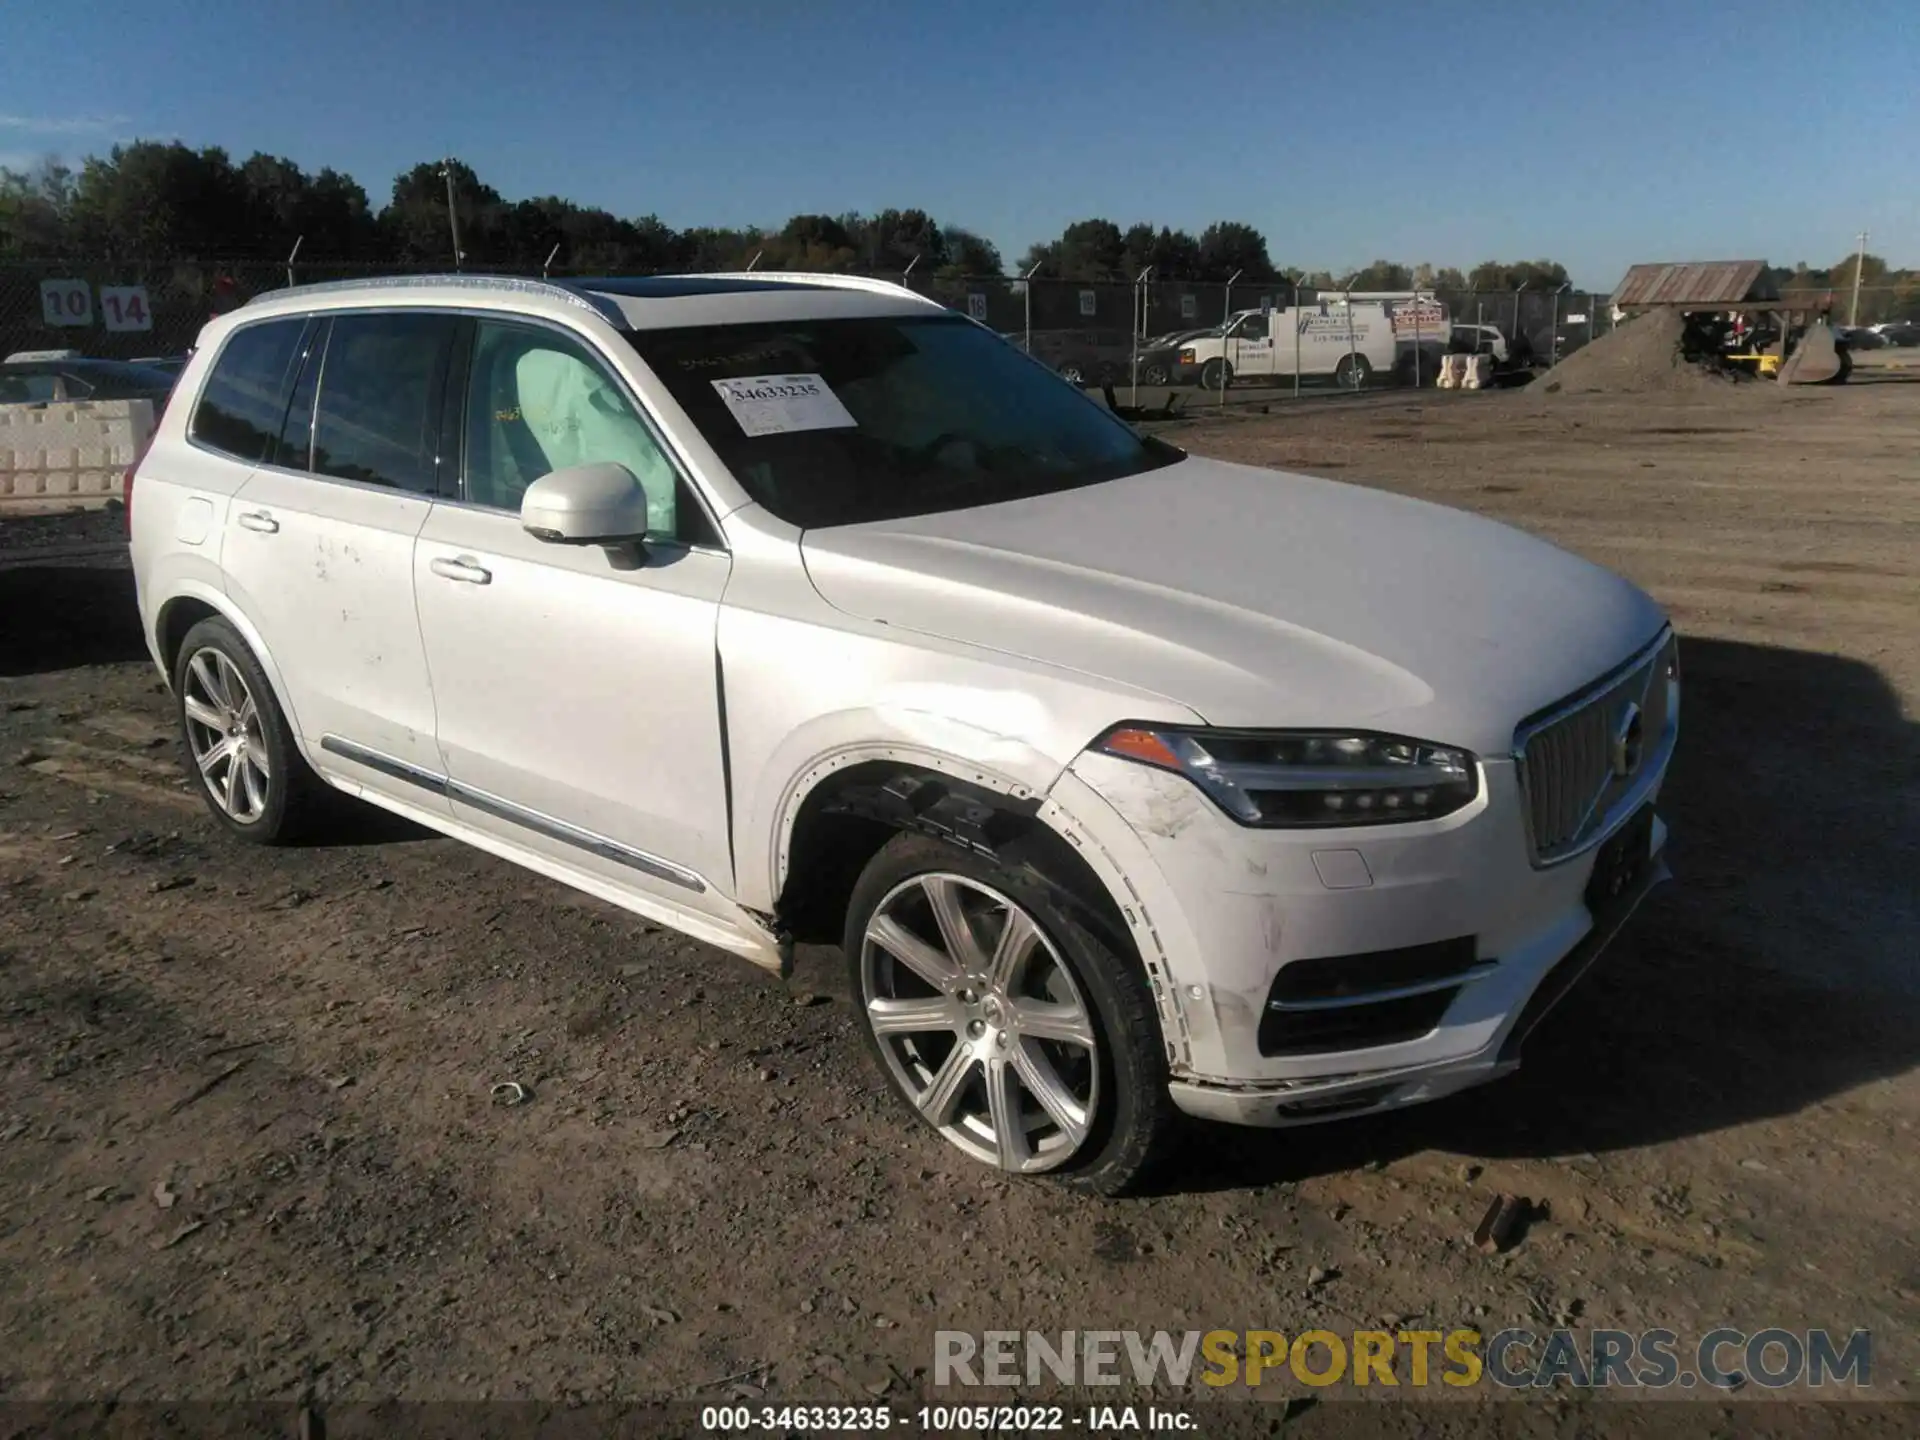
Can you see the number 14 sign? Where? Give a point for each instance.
(124, 307)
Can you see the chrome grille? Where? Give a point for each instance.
(1571, 759)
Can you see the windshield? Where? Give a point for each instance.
(838, 422)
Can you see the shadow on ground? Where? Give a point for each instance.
(69, 617)
(1781, 968)
(62, 617)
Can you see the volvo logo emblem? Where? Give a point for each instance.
(1628, 743)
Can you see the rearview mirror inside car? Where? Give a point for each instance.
(598, 504)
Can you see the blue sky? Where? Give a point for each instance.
(1596, 134)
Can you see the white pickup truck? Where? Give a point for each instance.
(1350, 338)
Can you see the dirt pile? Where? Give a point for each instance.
(1651, 353)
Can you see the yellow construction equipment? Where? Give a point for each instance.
(1814, 356)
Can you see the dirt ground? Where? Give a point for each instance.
(247, 1149)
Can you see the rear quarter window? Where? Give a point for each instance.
(245, 398)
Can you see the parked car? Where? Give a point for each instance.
(1480, 340)
(785, 608)
(1902, 333)
(1859, 337)
(165, 364)
(1160, 354)
(1084, 357)
(27, 379)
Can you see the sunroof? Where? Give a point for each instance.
(667, 287)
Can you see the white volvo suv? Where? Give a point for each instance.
(795, 607)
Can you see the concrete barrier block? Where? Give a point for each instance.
(78, 449)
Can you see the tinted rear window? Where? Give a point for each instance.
(246, 395)
(378, 416)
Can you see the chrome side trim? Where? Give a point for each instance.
(573, 835)
(520, 815)
(385, 764)
(1399, 992)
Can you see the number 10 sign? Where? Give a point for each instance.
(66, 302)
(70, 303)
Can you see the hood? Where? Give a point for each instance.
(1256, 598)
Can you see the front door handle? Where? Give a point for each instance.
(259, 520)
(461, 568)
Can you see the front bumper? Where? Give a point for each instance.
(1220, 911)
(1304, 1102)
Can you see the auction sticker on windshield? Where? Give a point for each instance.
(781, 404)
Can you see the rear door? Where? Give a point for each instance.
(319, 544)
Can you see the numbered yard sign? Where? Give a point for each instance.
(1189, 307)
(977, 306)
(66, 302)
(124, 307)
(1089, 299)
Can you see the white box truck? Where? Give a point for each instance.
(1349, 338)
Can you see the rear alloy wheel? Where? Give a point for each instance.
(1001, 1020)
(1353, 372)
(1073, 373)
(240, 749)
(224, 736)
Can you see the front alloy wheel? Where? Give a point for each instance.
(980, 1021)
(225, 734)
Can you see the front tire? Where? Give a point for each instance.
(1003, 1019)
(1216, 375)
(239, 747)
(1353, 372)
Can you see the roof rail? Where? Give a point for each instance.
(809, 277)
(519, 284)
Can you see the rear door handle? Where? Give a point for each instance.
(259, 520)
(462, 569)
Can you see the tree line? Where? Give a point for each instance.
(154, 201)
(148, 200)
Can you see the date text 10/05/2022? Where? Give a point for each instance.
(944, 1419)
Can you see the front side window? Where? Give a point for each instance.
(22, 387)
(837, 422)
(539, 402)
(240, 408)
(376, 417)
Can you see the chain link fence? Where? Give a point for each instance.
(1151, 333)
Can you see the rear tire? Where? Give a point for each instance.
(239, 748)
(983, 977)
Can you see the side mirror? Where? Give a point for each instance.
(598, 504)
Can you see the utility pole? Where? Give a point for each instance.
(1859, 264)
(453, 211)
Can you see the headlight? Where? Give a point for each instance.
(1307, 778)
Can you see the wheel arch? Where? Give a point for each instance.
(836, 823)
(191, 604)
